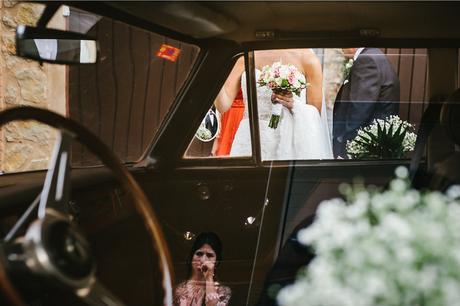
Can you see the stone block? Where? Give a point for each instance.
(26, 157)
(8, 21)
(32, 82)
(28, 131)
(28, 14)
(11, 95)
(9, 3)
(12, 61)
(28, 146)
(16, 157)
(9, 44)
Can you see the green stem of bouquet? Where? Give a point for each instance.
(274, 120)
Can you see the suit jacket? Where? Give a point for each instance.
(211, 125)
(370, 91)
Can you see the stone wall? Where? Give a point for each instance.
(26, 145)
(333, 74)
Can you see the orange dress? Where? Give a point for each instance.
(229, 125)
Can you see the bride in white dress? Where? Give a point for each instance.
(303, 130)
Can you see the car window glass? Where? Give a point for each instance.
(126, 95)
(226, 121)
(79, 21)
(122, 99)
(324, 104)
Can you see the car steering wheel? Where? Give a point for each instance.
(53, 247)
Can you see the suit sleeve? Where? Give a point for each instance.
(364, 94)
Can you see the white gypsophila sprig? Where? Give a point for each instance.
(203, 133)
(395, 247)
(359, 146)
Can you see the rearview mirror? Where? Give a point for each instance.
(55, 46)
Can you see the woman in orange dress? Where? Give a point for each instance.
(229, 125)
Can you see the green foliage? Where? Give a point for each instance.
(274, 121)
(385, 144)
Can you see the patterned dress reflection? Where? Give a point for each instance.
(201, 287)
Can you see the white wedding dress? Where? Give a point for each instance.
(301, 134)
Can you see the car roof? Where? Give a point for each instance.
(245, 21)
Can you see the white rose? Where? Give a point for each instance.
(279, 81)
(284, 72)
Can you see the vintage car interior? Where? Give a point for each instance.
(109, 216)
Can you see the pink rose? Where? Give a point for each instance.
(291, 78)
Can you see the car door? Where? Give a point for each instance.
(253, 204)
(227, 196)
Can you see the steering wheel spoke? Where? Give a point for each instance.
(98, 295)
(54, 248)
(56, 189)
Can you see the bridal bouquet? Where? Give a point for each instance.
(281, 78)
(399, 247)
(384, 138)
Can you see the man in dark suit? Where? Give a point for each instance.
(370, 91)
(211, 123)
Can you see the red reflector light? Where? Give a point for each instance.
(168, 52)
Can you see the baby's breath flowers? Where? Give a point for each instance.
(398, 247)
(203, 133)
(383, 138)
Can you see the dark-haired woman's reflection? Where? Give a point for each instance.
(201, 287)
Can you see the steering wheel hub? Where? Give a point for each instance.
(56, 248)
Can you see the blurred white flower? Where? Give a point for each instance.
(396, 247)
(453, 192)
(398, 185)
(402, 172)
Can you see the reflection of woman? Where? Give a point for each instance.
(201, 288)
(302, 132)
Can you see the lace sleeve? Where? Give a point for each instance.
(179, 294)
(225, 294)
